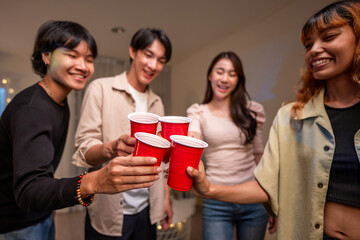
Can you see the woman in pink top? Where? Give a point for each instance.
(231, 124)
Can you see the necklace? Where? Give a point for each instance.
(47, 89)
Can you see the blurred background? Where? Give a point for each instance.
(265, 35)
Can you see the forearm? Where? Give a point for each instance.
(166, 191)
(59, 194)
(248, 192)
(257, 157)
(100, 153)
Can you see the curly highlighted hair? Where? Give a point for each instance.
(337, 14)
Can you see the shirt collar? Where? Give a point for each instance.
(314, 107)
(121, 84)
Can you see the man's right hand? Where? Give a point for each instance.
(123, 146)
(121, 174)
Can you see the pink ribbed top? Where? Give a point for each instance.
(227, 160)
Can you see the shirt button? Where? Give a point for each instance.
(317, 226)
(326, 148)
(320, 185)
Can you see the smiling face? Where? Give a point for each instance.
(70, 68)
(146, 65)
(330, 52)
(223, 78)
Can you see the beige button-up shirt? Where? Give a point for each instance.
(295, 169)
(105, 107)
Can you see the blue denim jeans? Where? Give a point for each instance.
(219, 219)
(44, 230)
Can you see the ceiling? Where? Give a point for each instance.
(190, 24)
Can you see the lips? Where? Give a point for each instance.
(149, 74)
(79, 77)
(222, 87)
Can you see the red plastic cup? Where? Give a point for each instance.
(150, 145)
(143, 122)
(185, 151)
(174, 125)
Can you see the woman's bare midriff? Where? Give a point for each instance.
(342, 221)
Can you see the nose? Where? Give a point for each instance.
(224, 77)
(152, 63)
(316, 48)
(81, 65)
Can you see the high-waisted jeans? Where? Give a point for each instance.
(219, 219)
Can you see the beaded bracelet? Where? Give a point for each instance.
(78, 194)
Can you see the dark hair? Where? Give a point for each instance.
(337, 14)
(146, 36)
(241, 115)
(54, 34)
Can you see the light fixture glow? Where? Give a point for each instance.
(118, 30)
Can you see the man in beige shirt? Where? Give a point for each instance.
(107, 102)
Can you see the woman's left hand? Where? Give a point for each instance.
(201, 186)
(272, 224)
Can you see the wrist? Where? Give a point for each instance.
(82, 196)
(211, 191)
(87, 187)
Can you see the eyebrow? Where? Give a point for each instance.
(320, 32)
(148, 50)
(77, 52)
(223, 69)
(326, 29)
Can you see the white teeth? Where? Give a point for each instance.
(148, 73)
(318, 62)
(223, 87)
(78, 76)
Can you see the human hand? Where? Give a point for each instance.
(272, 224)
(195, 135)
(165, 222)
(123, 146)
(121, 174)
(201, 186)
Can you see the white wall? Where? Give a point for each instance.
(271, 53)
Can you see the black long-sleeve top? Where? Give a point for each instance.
(33, 131)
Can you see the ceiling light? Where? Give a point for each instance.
(118, 30)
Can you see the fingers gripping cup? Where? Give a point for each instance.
(174, 125)
(143, 122)
(150, 145)
(185, 151)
